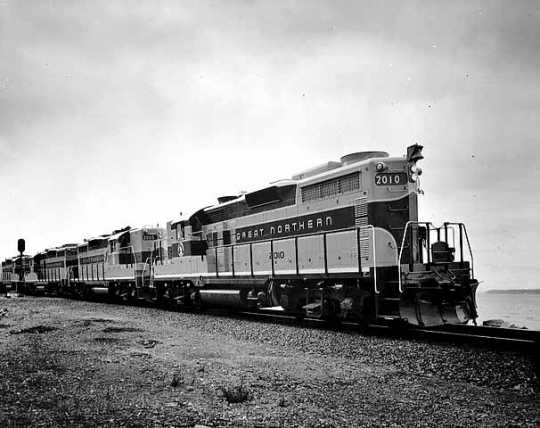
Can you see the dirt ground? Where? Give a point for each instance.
(82, 364)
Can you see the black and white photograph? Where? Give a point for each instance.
(269, 214)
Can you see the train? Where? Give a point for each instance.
(340, 241)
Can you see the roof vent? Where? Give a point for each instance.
(361, 156)
(223, 199)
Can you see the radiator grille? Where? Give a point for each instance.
(327, 189)
(361, 221)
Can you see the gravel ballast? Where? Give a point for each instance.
(72, 363)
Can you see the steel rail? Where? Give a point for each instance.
(520, 340)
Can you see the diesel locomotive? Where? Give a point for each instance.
(340, 241)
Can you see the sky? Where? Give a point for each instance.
(116, 113)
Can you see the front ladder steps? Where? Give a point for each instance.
(388, 300)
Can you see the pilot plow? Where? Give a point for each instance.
(434, 303)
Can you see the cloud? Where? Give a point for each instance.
(8, 153)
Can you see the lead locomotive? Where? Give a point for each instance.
(338, 241)
(341, 240)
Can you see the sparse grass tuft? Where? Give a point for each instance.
(236, 394)
(177, 381)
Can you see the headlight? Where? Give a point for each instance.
(415, 172)
(380, 166)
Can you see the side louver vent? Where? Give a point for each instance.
(361, 221)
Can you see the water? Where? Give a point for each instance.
(523, 310)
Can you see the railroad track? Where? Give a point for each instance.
(521, 340)
(525, 341)
(497, 337)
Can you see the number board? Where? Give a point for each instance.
(391, 179)
(149, 237)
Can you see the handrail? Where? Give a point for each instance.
(163, 249)
(323, 234)
(144, 270)
(295, 238)
(470, 249)
(68, 271)
(400, 254)
(430, 227)
(462, 225)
